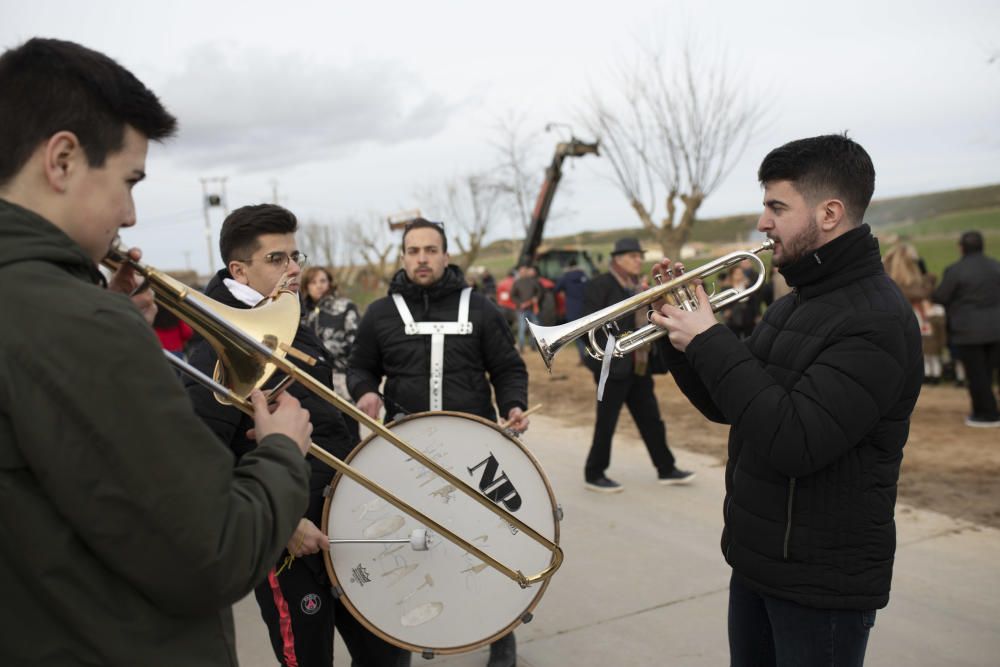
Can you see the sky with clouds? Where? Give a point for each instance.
(354, 108)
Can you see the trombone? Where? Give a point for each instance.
(247, 361)
(678, 290)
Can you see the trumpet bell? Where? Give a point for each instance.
(550, 340)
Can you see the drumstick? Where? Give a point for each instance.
(506, 422)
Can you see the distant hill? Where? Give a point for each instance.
(894, 211)
(903, 210)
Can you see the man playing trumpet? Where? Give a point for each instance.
(819, 400)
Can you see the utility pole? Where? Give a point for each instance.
(274, 191)
(212, 199)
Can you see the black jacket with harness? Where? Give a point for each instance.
(819, 399)
(472, 362)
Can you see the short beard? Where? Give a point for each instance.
(804, 244)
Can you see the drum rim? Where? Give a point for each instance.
(341, 593)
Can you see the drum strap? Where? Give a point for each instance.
(437, 331)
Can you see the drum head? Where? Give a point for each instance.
(443, 599)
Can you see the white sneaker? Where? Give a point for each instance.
(980, 422)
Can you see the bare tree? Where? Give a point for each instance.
(516, 177)
(469, 204)
(675, 132)
(328, 245)
(372, 241)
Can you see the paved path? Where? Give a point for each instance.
(644, 582)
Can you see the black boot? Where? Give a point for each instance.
(503, 652)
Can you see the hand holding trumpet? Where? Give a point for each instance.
(682, 325)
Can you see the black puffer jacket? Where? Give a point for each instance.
(819, 399)
(231, 425)
(381, 348)
(970, 290)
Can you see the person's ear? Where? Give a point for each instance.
(830, 214)
(62, 158)
(238, 271)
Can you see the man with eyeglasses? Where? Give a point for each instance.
(440, 346)
(261, 256)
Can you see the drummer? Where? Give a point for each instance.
(259, 252)
(439, 346)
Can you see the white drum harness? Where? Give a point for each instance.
(437, 331)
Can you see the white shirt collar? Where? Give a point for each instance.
(243, 293)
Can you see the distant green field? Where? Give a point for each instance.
(932, 222)
(936, 238)
(950, 224)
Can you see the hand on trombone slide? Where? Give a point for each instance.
(682, 325)
(285, 415)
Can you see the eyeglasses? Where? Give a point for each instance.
(281, 259)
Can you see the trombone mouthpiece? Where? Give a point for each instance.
(117, 255)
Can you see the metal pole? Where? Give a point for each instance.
(208, 225)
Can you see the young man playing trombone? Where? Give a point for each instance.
(819, 400)
(126, 532)
(260, 255)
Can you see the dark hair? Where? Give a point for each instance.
(971, 243)
(312, 272)
(421, 223)
(823, 166)
(49, 86)
(242, 228)
(164, 319)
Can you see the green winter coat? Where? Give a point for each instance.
(126, 528)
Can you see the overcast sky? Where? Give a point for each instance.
(355, 107)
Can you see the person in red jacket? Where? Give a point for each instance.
(173, 332)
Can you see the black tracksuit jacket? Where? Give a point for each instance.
(329, 429)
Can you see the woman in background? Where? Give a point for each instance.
(335, 321)
(904, 267)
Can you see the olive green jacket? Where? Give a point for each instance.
(126, 528)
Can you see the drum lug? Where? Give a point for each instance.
(327, 490)
(427, 654)
(527, 618)
(558, 513)
(337, 592)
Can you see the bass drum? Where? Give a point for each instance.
(442, 600)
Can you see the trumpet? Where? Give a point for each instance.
(679, 291)
(251, 346)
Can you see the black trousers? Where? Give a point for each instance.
(982, 363)
(299, 610)
(636, 392)
(765, 631)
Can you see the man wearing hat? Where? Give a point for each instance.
(629, 380)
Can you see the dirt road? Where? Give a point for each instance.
(947, 466)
